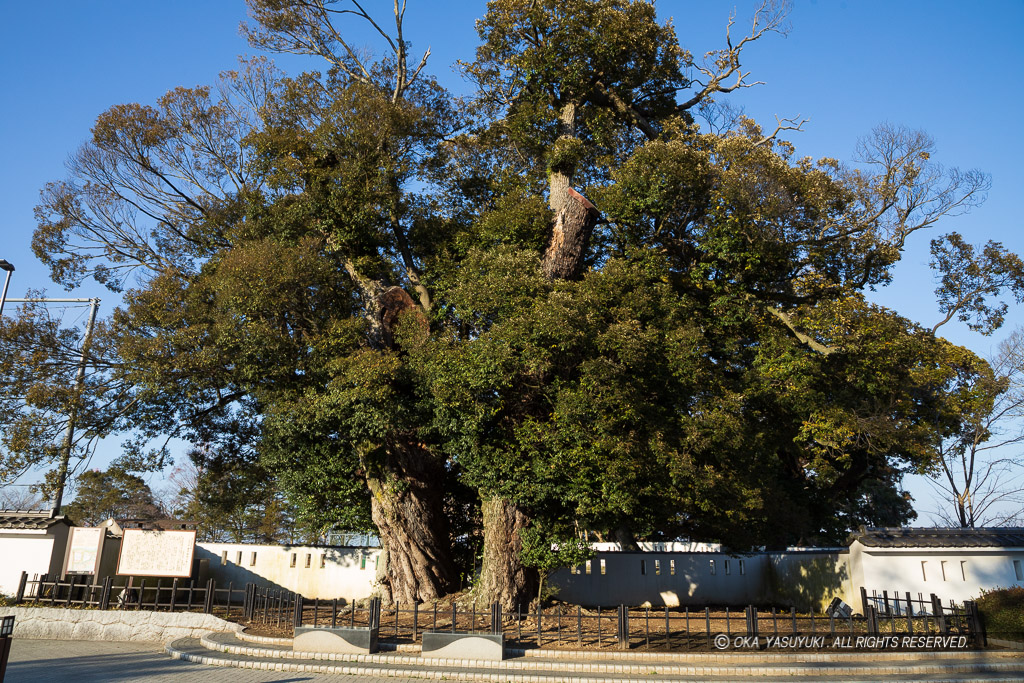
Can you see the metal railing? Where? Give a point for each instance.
(133, 593)
(623, 627)
(895, 612)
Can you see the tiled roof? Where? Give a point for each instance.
(30, 519)
(942, 537)
(155, 524)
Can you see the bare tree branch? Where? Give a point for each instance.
(722, 65)
(792, 123)
(981, 468)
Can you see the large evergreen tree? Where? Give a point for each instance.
(560, 308)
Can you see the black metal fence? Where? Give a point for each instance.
(662, 629)
(133, 593)
(898, 612)
(6, 630)
(287, 609)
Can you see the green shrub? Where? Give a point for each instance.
(1002, 611)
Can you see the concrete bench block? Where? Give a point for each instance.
(463, 645)
(336, 640)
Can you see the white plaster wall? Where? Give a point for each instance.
(803, 579)
(900, 570)
(19, 553)
(809, 579)
(346, 573)
(626, 581)
(111, 625)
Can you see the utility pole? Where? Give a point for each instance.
(65, 456)
(5, 265)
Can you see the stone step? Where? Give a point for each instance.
(241, 637)
(224, 649)
(191, 650)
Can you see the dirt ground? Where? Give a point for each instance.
(571, 627)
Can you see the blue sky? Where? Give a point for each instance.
(953, 69)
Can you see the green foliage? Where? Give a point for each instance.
(113, 493)
(544, 56)
(232, 497)
(970, 278)
(1002, 612)
(547, 552)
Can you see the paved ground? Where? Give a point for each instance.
(55, 661)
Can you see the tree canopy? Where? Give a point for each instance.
(113, 493)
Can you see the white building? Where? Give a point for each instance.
(954, 564)
(32, 541)
(313, 571)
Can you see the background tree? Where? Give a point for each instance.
(980, 470)
(547, 554)
(15, 497)
(178, 497)
(970, 277)
(232, 500)
(113, 493)
(40, 357)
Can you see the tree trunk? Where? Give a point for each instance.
(503, 578)
(405, 479)
(570, 237)
(561, 172)
(408, 508)
(623, 535)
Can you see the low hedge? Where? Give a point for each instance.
(1002, 611)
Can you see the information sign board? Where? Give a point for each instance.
(156, 553)
(85, 548)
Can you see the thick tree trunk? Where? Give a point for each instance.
(408, 508)
(570, 237)
(560, 175)
(503, 578)
(405, 479)
(623, 535)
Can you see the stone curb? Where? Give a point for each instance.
(635, 656)
(507, 667)
(266, 640)
(63, 623)
(287, 642)
(1008, 644)
(498, 677)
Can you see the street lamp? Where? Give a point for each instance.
(4, 265)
